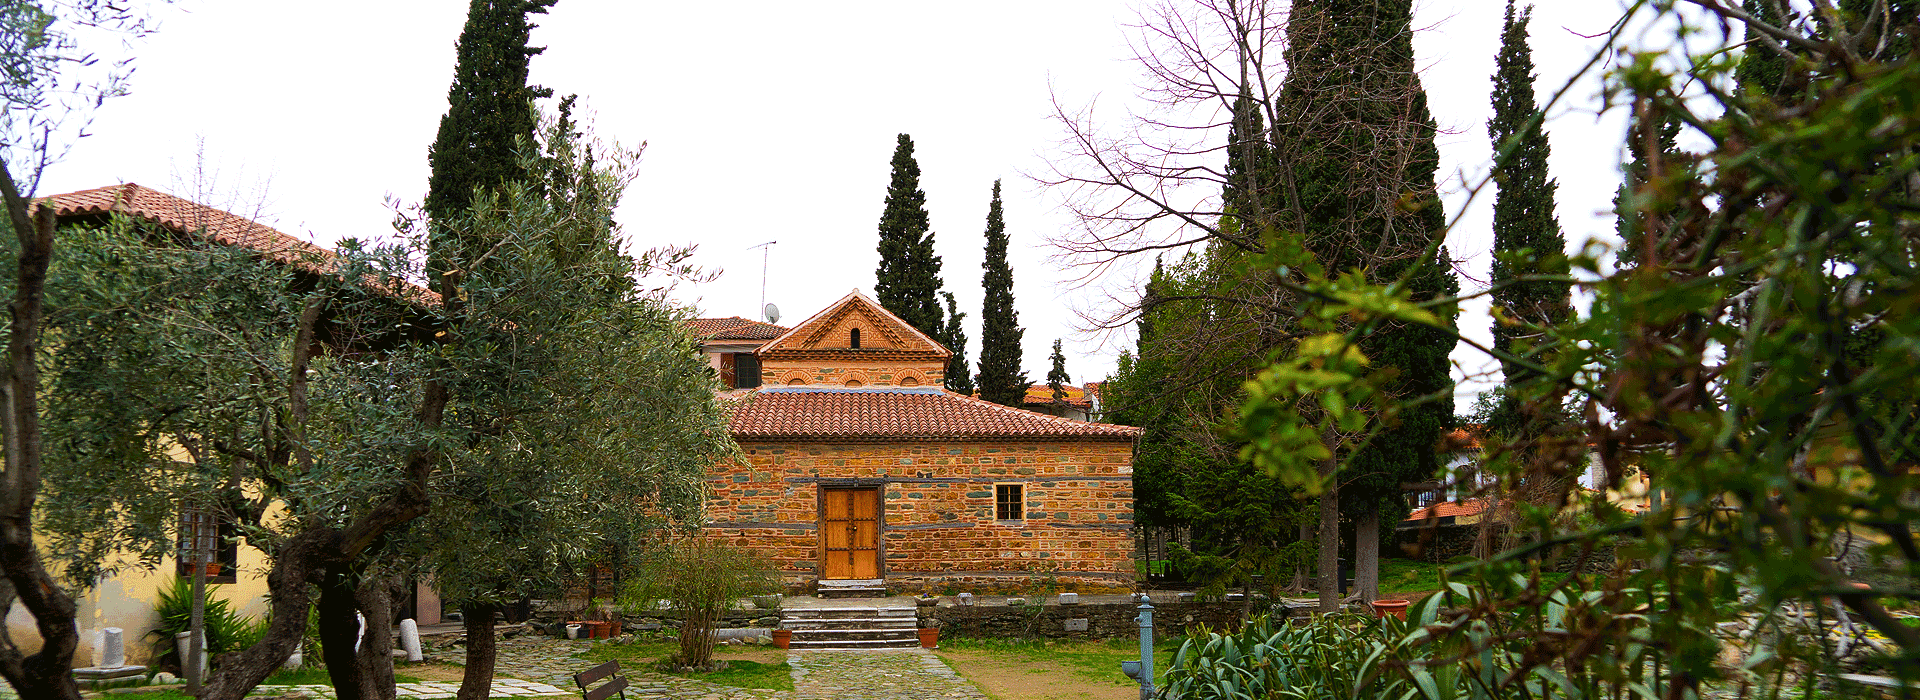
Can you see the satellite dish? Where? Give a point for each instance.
(773, 313)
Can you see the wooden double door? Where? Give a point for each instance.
(850, 533)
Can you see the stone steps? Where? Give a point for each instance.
(851, 588)
(852, 627)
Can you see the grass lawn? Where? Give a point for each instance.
(1051, 669)
(747, 667)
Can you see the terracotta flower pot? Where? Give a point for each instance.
(929, 637)
(782, 638)
(1394, 607)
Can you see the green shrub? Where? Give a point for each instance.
(226, 630)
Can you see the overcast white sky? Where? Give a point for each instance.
(764, 122)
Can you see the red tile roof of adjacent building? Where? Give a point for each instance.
(207, 223)
(900, 413)
(1042, 395)
(1448, 509)
(1466, 437)
(735, 328)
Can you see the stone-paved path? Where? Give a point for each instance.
(539, 667)
(879, 674)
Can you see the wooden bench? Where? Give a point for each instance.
(616, 684)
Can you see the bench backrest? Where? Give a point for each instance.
(609, 670)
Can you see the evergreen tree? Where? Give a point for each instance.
(1526, 236)
(1001, 379)
(907, 281)
(959, 380)
(1762, 70)
(490, 113)
(1057, 379)
(1356, 123)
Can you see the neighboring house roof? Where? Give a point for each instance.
(892, 414)
(889, 336)
(1448, 509)
(1461, 439)
(1042, 395)
(207, 223)
(735, 328)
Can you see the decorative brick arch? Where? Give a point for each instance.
(856, 378)
(797, 376)
(909, 378)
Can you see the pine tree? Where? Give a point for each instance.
(955, 338)
(1001, 379)
(1526, 236)
(1057, 379)
(490, 111)
(907, 281)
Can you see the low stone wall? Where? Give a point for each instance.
(1078, 621)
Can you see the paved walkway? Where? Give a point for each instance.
(879, 674)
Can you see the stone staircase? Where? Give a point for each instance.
(851, 588)
(852, 627)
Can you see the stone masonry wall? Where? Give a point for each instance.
(938, 528)
(1101, 620)
(866, 372)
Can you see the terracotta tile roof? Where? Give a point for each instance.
(1466, 437)
(1042, 395)
(735, 328)
(899, 413)
(210, 224)
(1448, 509)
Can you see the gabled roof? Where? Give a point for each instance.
(1042, 395)
(892, 414)
(1448, 509)
(735, 328)
(895, 338)
(190, 218)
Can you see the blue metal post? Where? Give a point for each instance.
(1146, 649)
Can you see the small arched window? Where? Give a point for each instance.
(856, 338)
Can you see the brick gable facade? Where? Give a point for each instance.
(858, 465)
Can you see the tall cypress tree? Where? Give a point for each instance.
(907, 281)
(489, 107)
(490, 114)
(1001, 380)
(955, 338)
(1353, 122)
(1057, 379)
(1526, 236)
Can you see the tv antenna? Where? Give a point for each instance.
(765, 249)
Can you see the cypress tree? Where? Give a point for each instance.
(1057, 378)
(1354, 122)
(1527, 240)
(1761, 69)
(490, 115)
(490, 110)
(907, 281)
(1001, 380)
(955, 338)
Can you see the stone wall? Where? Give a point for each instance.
(1102, 620)
(938, 528)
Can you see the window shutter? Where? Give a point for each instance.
(727, 369)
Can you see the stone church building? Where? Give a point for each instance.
(862, 472)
